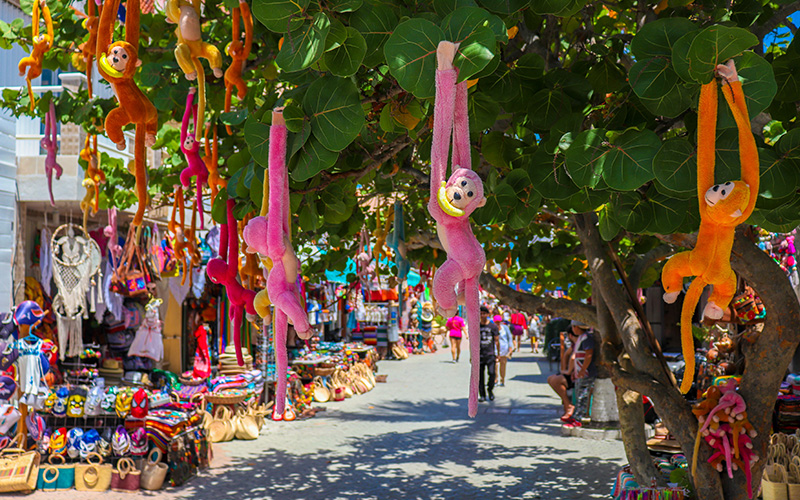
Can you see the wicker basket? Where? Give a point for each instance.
(191, 381)
(323, 371)
(225, 398)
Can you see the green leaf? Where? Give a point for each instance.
(337, 34)
(335, 109)
(151, 74)
(444, 7)
(502, 85)
(789, 144)
(787, 77)
(585, 200)
(344, 5)
(632, 211)
(313, 159)
(280, 15)
(549, 177)
(233, 117)
(499, 149)
(608, 225)
(680, 55)
(659, 88)
(411, 54)
(257, 186)
(675, 167)
(530, 66)
(657, 38)
(715, 45)
(482, 110)
(668, 213)
(504, 7)
(375, 23)
(585, 158)
(256, 134)
(219, 208)
(779, 176)
(345, 59)
(629, 163)
(470, 27)
(294, 118)
(606, 76)
(546, 107)
(554, 7)
(305, 45)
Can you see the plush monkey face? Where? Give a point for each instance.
(463, 192)
(121, 60)
(189, 144)
(217, 270)
(234, 48)
(727, 201)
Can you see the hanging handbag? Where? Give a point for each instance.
(129, 278)
(154, 471)
(48, 479)
(19, 470)
(125, 477)
(93, 476)
(167, 262)
(66, 472)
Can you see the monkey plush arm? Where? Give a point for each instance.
(706, 138)
(48, 21)
(132, 23)
(748, 154)
(247, 19)
(187, 114)
(277, 169)
(444, 107)
(105, 29)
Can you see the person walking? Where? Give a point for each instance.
(534, 332)
(488, 348)
(518, 327)
(505, 345)
(455, 328)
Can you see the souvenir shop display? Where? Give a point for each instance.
(673, 471)
(781, 477)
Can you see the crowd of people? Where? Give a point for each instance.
(502, 330)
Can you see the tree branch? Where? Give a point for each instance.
(644, 262)
(776, 20)
(534, 304)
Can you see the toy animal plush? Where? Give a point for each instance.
(94, 176)
(178, 230)
(211, 159)
(722, 208)
(239, 53)
(41, 44)
(451, 204)
(191, 149)
(191, 47)
(276, 244)
(255, 235)
(117, 64)
(223, 270)
(110, 231)
(397, 242)
(89, 48)
(50, 144)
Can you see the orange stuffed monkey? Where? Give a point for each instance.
(180, 243)
(722, 208)
(89, 48)
(117, 63)
(239, 52)
(41, 44)
(211, 159)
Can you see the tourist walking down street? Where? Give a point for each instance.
(489, 348)
(455, 328)
(505, 346)
(519, 326)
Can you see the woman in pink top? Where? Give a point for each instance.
(455, 326)
(518, 327)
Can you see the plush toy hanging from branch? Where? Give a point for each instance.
(722, 208)
(117, 64)
(191, 47)
(239, 52)
(93, 178)
(41, 44)
(178, 230)
(257, 228)
(272, 236)
(451, 204)
(211, 159)
(191, 149)
(88, 49)
(223, 270)
(50, 144)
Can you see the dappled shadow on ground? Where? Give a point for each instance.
(434, 463)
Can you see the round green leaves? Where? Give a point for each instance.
(304, 46)
(411, 54)
(280, 15)
(623, 164)
(334, 106)
(345, 57)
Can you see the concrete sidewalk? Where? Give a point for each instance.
(410, 438)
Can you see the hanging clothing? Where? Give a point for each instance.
(202, 360)
(148, 342)
(70, 334)
(112, 300)
(46, 260)
(31, 370)
(179, 292)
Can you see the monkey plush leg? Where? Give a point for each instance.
(151, 129)
(721, 297)
(183, 55)
(444, 287)
(241, 87)
(676, 268)
(116, 119)
(281, 361)
(214, 58)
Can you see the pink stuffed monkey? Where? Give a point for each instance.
(191, 149)
(110, 232)
(50, 144)
(270, 236)
(223, 270)
(452, 203)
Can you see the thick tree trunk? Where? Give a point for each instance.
(631, 424)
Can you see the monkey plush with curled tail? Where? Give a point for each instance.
(191, 149)
(451, 204)
(271, 236)
(117, 63)
(50, 144)
(239, 52)
(41, 44)
(191, 47)
(722, 208)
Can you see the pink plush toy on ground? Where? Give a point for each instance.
(451, 204)
(191, 149)
(50, 144)
(223, 270)
(271, 236)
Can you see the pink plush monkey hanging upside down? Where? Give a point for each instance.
(191, 149)
(451, 204)
(271, 236)
(50, 144)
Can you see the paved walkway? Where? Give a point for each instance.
(410, 438)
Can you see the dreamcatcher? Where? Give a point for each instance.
(76, 270)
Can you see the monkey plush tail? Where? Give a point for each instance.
(687, 339)
(201, 99)
(280, 327)
(474, 327)
(32, 97)
(140, 173)
(199, 196)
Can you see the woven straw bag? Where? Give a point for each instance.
(93, 476)
(126, 477)
(154, 471)
(246, 425)
(19, 470)
(321, 393)
(221, 427)
(774, 482)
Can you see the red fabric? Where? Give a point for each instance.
(202, 360)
